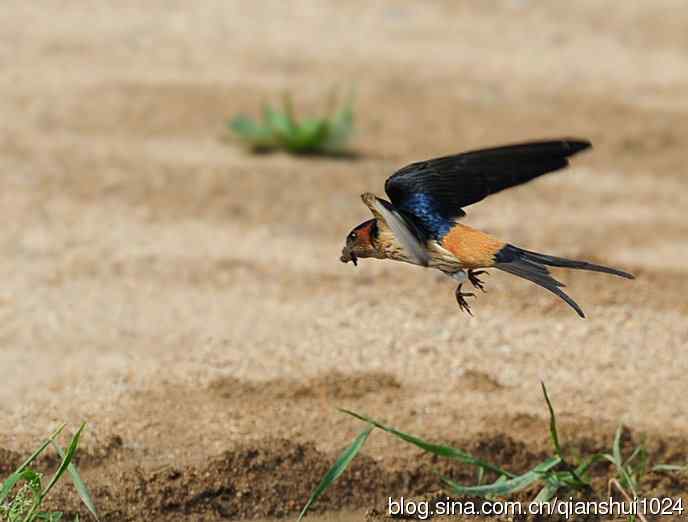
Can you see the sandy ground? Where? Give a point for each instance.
(185, 298)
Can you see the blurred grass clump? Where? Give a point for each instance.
(280, 129)
(22, 493)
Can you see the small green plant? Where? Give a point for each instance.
(329, 134)
(25, 505)
(555, 474)
(629, 471)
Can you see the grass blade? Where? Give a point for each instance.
(79, 484)
(639, 450)
(547, 493)
(616, 458)
(255, 134)
(616, 447)
(584, 466)
(278, 122)
(669, 467)
(66, 459)
(309, 135)
(575, 480)
(435, 449)
(8, 485)
(481, 475)
(244, 126)
(623, 474)
(505, 487)
(41, 448)
(552, 421)
(342, 124)
(338, 468)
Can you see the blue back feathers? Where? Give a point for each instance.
(426, 211)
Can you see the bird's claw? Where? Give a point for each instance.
(461, 299)
(473, 278)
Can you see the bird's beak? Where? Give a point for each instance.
(348, 255)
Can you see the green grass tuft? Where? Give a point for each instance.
(25, 505)
(335, 471)
(280, 129)
(555, 474)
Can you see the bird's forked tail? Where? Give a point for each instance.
(533, 266)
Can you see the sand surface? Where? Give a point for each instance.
(185, 298)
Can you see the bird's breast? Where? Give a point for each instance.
(388, 245)
(440, 258)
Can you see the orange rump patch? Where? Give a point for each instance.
(473, 248)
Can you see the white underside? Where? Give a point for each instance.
(459, 275)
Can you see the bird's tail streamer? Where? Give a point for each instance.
(533, 267)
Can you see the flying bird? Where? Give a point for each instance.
(420, 224)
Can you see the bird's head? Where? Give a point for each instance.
(361, 242)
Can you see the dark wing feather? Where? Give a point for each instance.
(449, 183)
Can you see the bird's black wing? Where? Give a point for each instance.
(437, 189)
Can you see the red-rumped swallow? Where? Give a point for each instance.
(420, 226)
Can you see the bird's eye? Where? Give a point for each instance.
(352, 235)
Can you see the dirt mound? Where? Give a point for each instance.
(332, 386)
(274, 477)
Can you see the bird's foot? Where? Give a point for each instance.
(461, 299)
(473, 278)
